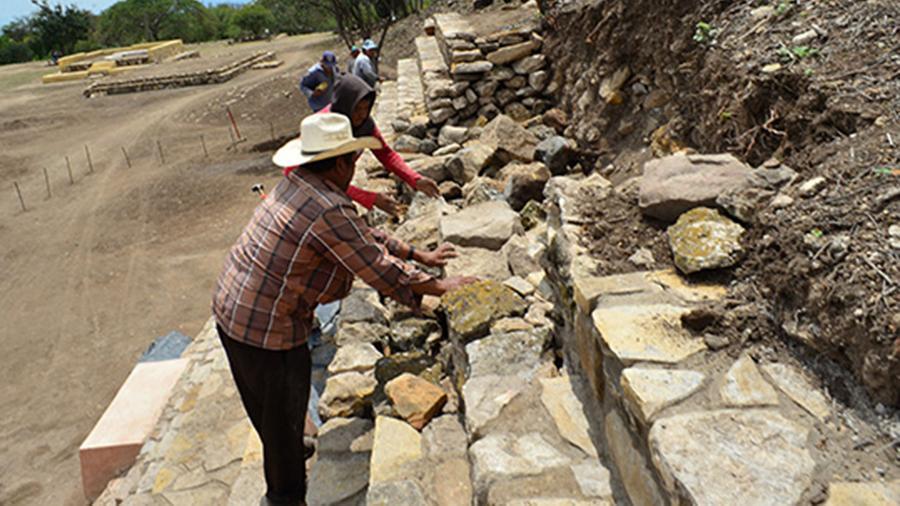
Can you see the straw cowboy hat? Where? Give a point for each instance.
(322, 136)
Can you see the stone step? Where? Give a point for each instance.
(411, 97)
(431, 60)
(386, 109)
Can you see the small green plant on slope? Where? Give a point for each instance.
(705, 33)
(783, 7)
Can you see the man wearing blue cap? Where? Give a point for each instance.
(363, 67)
(318, 83)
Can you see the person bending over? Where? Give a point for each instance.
(304, 246)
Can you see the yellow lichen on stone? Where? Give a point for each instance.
(704, 239)
(472, 308)
(164, 478)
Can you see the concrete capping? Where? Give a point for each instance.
(128, 421)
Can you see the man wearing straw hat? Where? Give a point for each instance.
(304, 246)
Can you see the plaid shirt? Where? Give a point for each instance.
(302, 248)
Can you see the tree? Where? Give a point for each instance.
(224, 14)
(254, 20)
(12, 51)
(131, 21)
(299, 16)
(367, 19)
(59, 28)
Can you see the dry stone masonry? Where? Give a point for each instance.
(545, 383)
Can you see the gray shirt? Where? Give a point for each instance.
(365, 70)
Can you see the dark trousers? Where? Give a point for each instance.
(274, 387)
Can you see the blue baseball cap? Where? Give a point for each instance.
(354, 48)
(369, 44)
(329, 58)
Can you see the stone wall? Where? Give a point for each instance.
(212, 76)
(486, 74)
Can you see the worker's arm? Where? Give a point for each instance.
(309, 83)
(341, 236)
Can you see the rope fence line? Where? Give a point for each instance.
(161, 152)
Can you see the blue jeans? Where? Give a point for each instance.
(326, 314)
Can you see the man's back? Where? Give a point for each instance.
(274, 275)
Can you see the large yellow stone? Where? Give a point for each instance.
(645, 333)
(472, 308)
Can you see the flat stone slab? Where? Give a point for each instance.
(513, 353)
(743, 386)
(636, 476)
(567, 412)
(487, 225)
(395, 493)
(593, 479)
(430, 58)
(844, 493)
(480, 262)
(663, 286)
(486, 396)
(792, 382)
(747, 457)
(397, 445)
(336, 478)
(649, 391)
(504, 455)
(340, 435)
(646, 333)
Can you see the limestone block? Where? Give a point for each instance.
(486, 396)
(498, 456)
(445, 439)
(524, 182)
(567, 411)
(341, 435)
(863, 493)
(645, 333)
(346, 394)
(514, 353)
(649, 391)
(360, 357)
(472, 308)
(486, 225)
(636, 476)
(743, 385)
(336, 478)
(677, 183)
(484, 263)
(703, 239)
(451, 483)
(796, 386)
(397, 446)
(752, 457)
(510, 139)
(394, 493)
(416, 400)
(513, 53)
(593, 479)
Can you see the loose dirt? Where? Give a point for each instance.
(93, 274)
(820, 276)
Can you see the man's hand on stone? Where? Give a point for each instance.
(429, 187)
(437, 257)
(387, 203)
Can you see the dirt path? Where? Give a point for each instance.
(93, 274)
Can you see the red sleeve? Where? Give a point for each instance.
(394, 163)
(363, 197)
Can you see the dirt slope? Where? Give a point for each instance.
(815, 85)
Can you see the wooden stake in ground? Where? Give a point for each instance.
(162, 158)
(69, 168)
(237, 133)
(203, 143)
(127, 160)
(87, 153)
(19, 193)
(47, 181)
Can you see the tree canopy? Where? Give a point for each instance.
(55, 27)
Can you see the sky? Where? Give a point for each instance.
(12, 9)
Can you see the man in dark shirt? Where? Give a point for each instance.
(303, 247)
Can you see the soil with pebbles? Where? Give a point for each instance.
(820, 280)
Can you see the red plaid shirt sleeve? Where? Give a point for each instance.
(342, 236)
